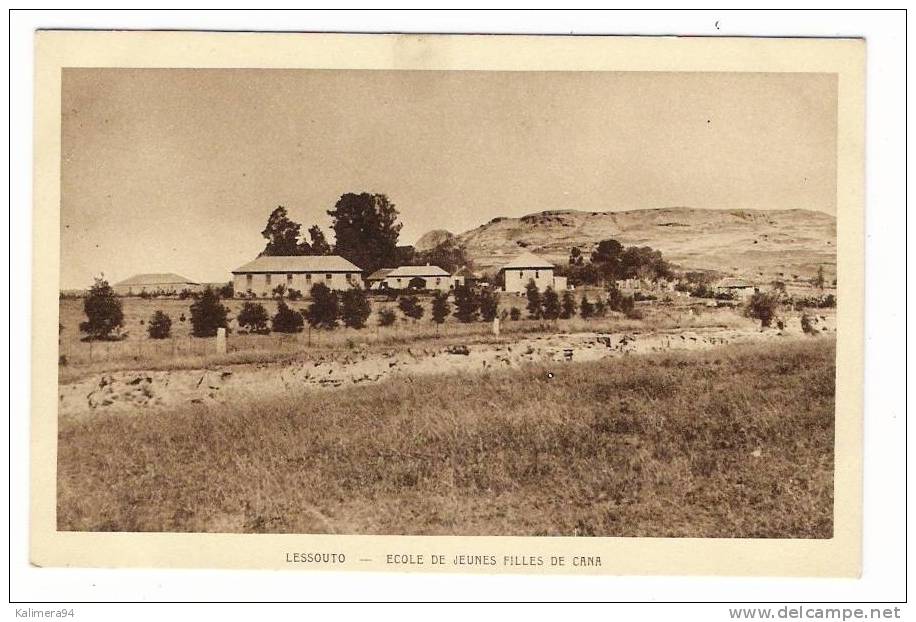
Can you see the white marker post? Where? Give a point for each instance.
(496, 326)
(220, 340)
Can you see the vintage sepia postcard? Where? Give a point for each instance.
(448, 303)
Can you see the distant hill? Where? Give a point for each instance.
(432, 239)
(761, 244)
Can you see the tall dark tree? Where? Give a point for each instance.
(441, 307)
(551, 304)
(355, 307)
(317, 244)
(534, 301)
(489, 304)
(466, 304)
(366, 229)
(586, 308)
(103, 311)
(411, 307)
(325, 307)
(208, 314)
(286, 320)
(281, 233)
(568, 308)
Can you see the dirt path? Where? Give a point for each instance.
(136, 392)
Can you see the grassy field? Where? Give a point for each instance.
(734, 442)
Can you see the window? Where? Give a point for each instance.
(248, 279)
(308, 278)
(289, 279)
(537, 274)
(328, 276)
(349, 277)
(438, 281)
(521, 274)
(267, 280)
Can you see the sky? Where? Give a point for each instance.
(177, 170)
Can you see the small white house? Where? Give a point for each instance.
(529, 267)
(300, 272)
(422, 277)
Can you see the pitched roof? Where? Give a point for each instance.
(412, 271)
(157, 278)
(379, 274)
(298, 263)
(527, 260)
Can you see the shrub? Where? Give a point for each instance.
(253, 318)
(386, 317)
(515, 314)
(208, 314)
(411, 307)
(466, 304)
(637, 296)
(600, 308)
(104, 315)
(534, 301)
(160, 326)
(279, 291)
(325, 308)
(441, 307)
(586, 308)
(762, 306)
(488, 302)
(227, 291)
(807, 325)
(551, 306)
(293, 294)
(355, 308)
(184, 294)
(286, 320)
(568, 308)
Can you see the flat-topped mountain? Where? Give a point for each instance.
(753, 243)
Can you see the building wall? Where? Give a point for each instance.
(263, 284)
(440, 283)
(517, 280)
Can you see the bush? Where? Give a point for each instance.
(600, 308)
(208, 314)
(807, 325)
(355, 308)
(568, 308)
(160, 326)
(515, 314)
(489, 304)
(325, 308)
(104, 315)
(762, 306)
(184, 294)
(466, 304)
(410, 306)
(227, 291)
(386, 317)
(638, 296)
(586, 308)
(279, 291)
(441, 307)
(253, 318)
(286, 320)
(293, 294)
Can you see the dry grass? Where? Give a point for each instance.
(735, 442)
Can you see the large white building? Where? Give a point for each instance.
(158, 283)
(529, 267)
(300, 272)
(423, 277)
